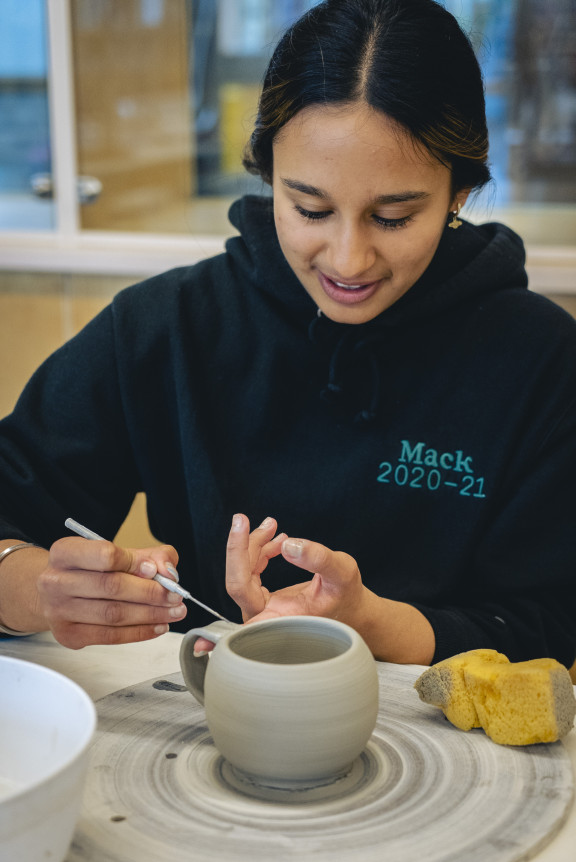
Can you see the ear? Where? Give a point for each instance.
(459, 198)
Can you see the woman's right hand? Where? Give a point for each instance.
(95, 592)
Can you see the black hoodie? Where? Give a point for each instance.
(435, 443)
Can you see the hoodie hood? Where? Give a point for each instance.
(470, 262)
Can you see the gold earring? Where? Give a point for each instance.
(455, 223)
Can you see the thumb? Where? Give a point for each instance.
(333, 566)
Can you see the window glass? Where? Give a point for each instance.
(527, 52)
(24, 130)
(232, 44)
(528, 55)
(166, 94)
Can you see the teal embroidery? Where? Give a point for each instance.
(419, 466)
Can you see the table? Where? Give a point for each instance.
(101, 670)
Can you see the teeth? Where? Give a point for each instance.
(348, 286)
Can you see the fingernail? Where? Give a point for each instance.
(177, 612)
(293, 547)
(161, 630)
(172, 571)
(148, 569)
(199, 653)
(237, 522)
(265, 523)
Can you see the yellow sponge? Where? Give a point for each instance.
(516, 703)
(444, 685)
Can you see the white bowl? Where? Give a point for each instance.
(46, 725)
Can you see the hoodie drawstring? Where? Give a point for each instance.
(347, 351)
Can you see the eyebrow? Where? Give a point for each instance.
(395, 198)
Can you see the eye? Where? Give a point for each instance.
(392, 223)
(311, 215)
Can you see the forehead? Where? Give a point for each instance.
(356, 139)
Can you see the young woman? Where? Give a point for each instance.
(361, 366)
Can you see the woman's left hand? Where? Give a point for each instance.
(394, 631)
(335, 590)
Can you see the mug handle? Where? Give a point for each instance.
(194, 669)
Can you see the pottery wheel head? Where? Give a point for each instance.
(157, 787)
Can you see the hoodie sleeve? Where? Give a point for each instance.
(64, 451)
(521, 597)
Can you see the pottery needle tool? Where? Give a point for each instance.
(167, 583)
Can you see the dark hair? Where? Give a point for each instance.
(406, 58)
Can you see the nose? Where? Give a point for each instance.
(351, 253)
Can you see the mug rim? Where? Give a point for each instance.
(287, 622)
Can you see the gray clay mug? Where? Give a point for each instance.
(291, 699)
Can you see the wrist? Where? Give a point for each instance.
(366, 617)
(394, 631)
(20, 566)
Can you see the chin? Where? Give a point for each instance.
(353, 316)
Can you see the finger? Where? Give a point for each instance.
(268, 552)
(57, 586)
(103, 556)
(259, 538)
(100, 612)
(202, 646)
(238, 569)
(78, 635)
(242, 583)
(162, 560)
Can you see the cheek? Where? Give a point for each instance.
(295, 240)
(415, 255)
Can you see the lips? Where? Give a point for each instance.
(344, 292)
